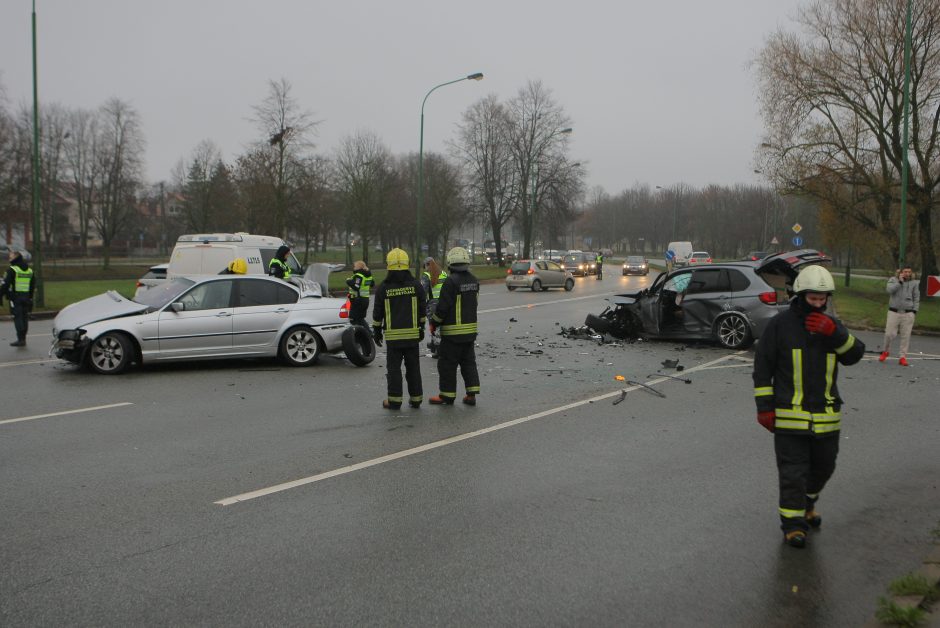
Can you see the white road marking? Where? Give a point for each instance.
(22, 362)
(64, 412)
(228, 501)
(540, 303)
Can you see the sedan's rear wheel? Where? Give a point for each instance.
(300, 346)
(536, 285)
(734, 332)
(111, 353)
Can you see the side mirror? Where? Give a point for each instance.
(177, 307)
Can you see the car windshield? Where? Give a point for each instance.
(160, 295)
(573, 258)
(634, 259)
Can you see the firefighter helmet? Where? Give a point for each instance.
(238, 266)
(814, 279)
(458, 255)
(396, 259)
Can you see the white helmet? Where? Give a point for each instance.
(458, 255)
(814, 279)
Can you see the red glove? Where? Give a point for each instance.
(820, 324)
(766, 420)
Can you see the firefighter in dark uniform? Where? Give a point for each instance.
(399, 312)
(795, 373)
(278, 264)
(18, 285)
(359, 288)
(456, 316)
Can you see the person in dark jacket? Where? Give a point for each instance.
(795, 387)
(359, 289)
(456, 316)
(399, 315)
(18, 285)
(278, 265)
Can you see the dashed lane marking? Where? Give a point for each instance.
(22, 362)
(64, 412)
(228, 501)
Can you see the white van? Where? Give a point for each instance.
(210, 253)
(678, 254)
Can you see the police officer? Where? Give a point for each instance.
(18, 284)
(359, 288)
(278, 264)
(795, 373)
(599, 263)
(399, 315)
(456, 315)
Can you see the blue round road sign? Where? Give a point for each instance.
(797, 241)
(670, 255)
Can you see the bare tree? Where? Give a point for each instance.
(54, 125)
(286, 129)
(363, 172)
(482, 146)
(81, 155)
(120, 169)
(538, 138)
(831, 97)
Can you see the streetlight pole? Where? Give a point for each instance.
(477, 76)
(904, 141)
(37, 222)
(675, 210)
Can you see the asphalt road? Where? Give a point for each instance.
(246, 493)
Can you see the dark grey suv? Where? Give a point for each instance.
(728, 303)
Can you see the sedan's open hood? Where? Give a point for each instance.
(94, 309)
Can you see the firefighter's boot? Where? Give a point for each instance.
(795, 538)
(441, 401)
(813, 518)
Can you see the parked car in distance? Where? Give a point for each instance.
(538, 275)
(210, 317)
(636, 265)
(580, 264)
(153, 277)
(728, 303)
(699, 258)
(755, 256)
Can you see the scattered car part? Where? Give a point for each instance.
(681, 379)
(650, 388)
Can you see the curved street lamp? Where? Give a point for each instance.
(477, 76)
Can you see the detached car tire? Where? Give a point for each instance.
(300, 346)
(358, 345)
(598, 324)
(111, 353)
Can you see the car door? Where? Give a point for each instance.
(547, 278)
(651, 305)
(707, 295)
(557, 273)
(203, 327)
(669, 312)
(262, 306)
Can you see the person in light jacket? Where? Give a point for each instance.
(903, 303)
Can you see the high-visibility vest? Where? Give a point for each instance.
(365, 284)
(276, 262)
(436, 290)
(23, 277)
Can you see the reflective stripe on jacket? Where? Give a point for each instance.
(796, 372)
(361, 286)
(275, 262)
(400, 311)
(456, 311)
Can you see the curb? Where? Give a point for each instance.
(930, 570)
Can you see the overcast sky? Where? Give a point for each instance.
(659, 92)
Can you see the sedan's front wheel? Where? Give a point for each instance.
(300, 346)
(111, 353)
(569, 284)
(734, 332)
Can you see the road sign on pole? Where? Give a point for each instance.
(797, 241)
(797, 228)
(933, 285)
(775, 240)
